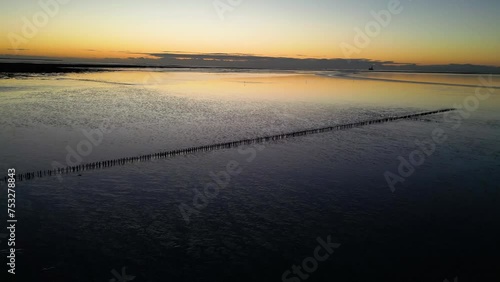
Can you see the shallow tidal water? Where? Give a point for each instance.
(441, 222)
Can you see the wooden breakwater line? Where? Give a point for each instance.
(191, 150)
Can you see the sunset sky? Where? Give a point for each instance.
(425, 32)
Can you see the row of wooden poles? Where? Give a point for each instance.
(227, 145)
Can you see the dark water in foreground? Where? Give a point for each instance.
(279, 201)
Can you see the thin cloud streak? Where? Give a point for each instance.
(242, 61)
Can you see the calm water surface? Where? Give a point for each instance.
(441, 222)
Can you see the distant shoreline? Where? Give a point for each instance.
(38, 68)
